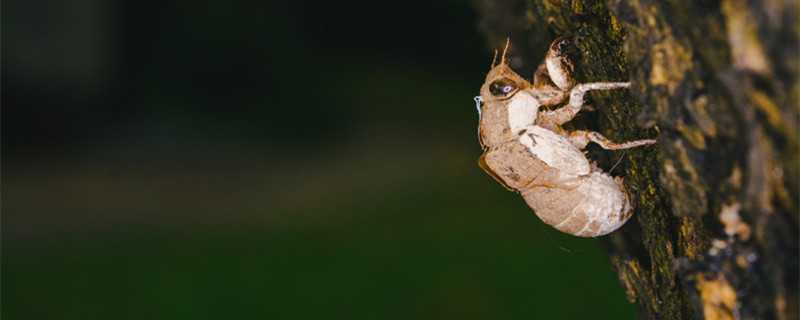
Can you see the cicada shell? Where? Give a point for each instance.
(527, 151)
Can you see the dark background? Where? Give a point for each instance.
(168, 160)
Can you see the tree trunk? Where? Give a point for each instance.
(715, 233)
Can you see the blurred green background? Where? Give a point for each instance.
(286, 160)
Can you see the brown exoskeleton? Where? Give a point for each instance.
(527, 151)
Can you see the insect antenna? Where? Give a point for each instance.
(494, 60)
(503, 58)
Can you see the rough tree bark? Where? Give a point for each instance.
(715, 234)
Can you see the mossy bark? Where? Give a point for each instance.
(715, 234)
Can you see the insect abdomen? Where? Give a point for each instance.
(592, 206)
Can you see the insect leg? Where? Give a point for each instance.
(576, 96)
(581, 138)
(559, 67)
(567, 112)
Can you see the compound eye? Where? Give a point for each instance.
(502, 88)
